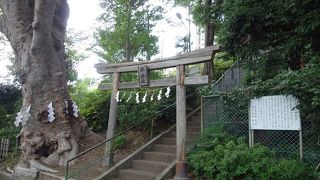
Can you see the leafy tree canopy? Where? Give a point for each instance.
(73, 56)
(271, 35)
(126, 33)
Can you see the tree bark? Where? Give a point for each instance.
(36, 30)
(209, 39)
(128, 30)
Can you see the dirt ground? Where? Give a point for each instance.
(89, 165)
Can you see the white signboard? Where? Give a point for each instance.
(274, 113)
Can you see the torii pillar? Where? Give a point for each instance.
(108, 161)
(179, 61)
(181, 163)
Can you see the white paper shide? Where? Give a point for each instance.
(75, 109)
(51, 117)
(22, 117)
(168, 92)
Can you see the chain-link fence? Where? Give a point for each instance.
(217, 113)
(233, 117)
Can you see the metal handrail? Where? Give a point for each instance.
(224, 74)
(118, 134)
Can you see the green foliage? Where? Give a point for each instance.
(222, 62)
(271, 36)
(303, 84)
(130, 113)
(93, 104)
(119, 142)
(219, 156)
(9, 94)
(127, 31)
(73, 57)
(209, 11)
(10, 104)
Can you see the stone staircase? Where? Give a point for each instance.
(153, 163)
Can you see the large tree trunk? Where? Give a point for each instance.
(36, 31)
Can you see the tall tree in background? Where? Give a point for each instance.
(126, 32)
(36, 31)
(271, 36)
(73, 57)
(207, 14)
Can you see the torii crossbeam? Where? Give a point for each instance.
(143, 67)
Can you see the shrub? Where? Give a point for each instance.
(119, 142)
(10, 104)
(219, 156)
(131, 113)
(94, 106)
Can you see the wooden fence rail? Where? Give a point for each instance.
(4, 147)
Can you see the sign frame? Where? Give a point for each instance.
(251, 129)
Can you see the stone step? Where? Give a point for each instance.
(159, 156)
(149, 165)
(169, 140)
(191, 129)
(136, 174)
(172, 141)
(190, 135)
(193, 123)
(164, 148)
(195, 118)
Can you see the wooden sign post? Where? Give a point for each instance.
(143, 68)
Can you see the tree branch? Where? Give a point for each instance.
(2, 19)
(2, 24)
(16, 17)
(42, 26)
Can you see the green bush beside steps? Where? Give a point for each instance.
(220, 156)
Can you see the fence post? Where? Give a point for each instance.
(151, 131)
(1, 148)
(222, 83)
(201, 116)
(7, 146)
(300, 145)
(238, 67)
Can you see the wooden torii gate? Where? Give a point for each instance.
(143, 67)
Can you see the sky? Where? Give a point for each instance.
(83, 14)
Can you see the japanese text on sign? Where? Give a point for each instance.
(275, 113)
(143, 75)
